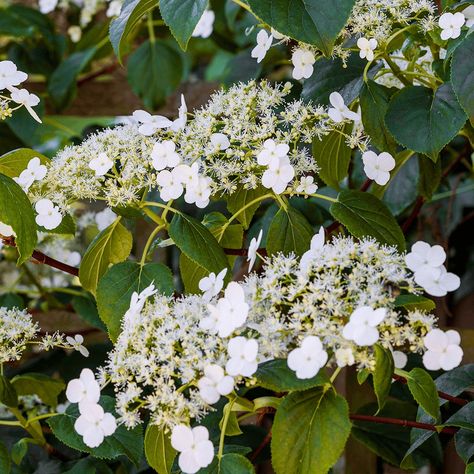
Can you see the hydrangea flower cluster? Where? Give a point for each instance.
(12, 98)
(222, 149)
(329, 307)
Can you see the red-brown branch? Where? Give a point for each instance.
(414, 214)
(261, 446)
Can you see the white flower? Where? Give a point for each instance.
(339, 111)
(378, 167)
(278, 175)
(180, 122)
(220, 141)
(264, 43)
(84, 390)
(451, 25)
(76, 343)
(423, 256)
(101, 164)
(187, 175)
(171, 186)
(303, 60)
(47, 6)
(272, 152)
(253, 249)
(35, 171)
(344, 357)
(367, 48)
(437, 281)
(317, 243)
(115, 7)
(199, 192)
(10, 76)
(443, 350)
(150, 123)
(243, 356)
(307, 185)
(164, 155)
(137, 301)
(214, 384)
(196, 451)
(308, 359)
(362, 326)
(400, 359)
(6, 230)
(230, 312)
(105, 218)
(75, 33)
(212, 285)
(48, 216)
(94, 425)
(469, 15)
(205, 25)
(23, 97)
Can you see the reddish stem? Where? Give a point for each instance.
(261, 446)
(414, 214)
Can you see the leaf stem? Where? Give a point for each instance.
(149, 242)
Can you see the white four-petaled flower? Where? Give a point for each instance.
(451, 24)
(48, 216)
(214, 384)
(220, 141)
(367, 47)
(272, 152)
(278, 175)
(196, 451)
(339, 110)
(34, 171)
(243, 356)
(205, 25)
(344, 357)
(77, 344)
(264, 43)
(307, 185)
(303, 61)
(423, 256)
(307, 359)
(443, 350)
(164, 155)
(253, 249)
(362, 326)
(94, 424)
(10, 76)
(437, 281)
(137, 301)
(317, 243)
(29, 100)
(150, 123)
(101, 164)
(171, 185)
(212, 285)
(84, 390)
(378, 167)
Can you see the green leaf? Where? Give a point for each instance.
(415, 302)
(374, 100)
(89, 465)
(242, 198)
(430, 176)
(8, 395)
(182, 16)
(11, 300)
(122, 442)
(154, 63)
(132, 12)
(365, 215)
(424, 121)
(316, 22)
(309, 432)
(116, 287)
(332, 75)
(14, 162)
(333, 156)
(197, 243)
(232, 428)
(45, 387)
(231, 463)
(383, 373)
(464, 440)
(16, 211)
(86, 308)
(469, 468)
(463, 418)
(275, 375)
(462, 75)
(159, 453)
(5, 462)
(424, 391)
(19, 450)
(112, 245)
(289, 232)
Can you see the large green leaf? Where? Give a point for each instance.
(116, 287)
(464, 440)
(365, 215)
(316, 22)
(16, 211)
(383, 373)
(430, 176)
(123, 442)
(131, 13)
(230, 463)
(310, 431)
(463, 418)
(182, 17)
(5, 462)
(333, 156)
(158, 450)
(289, 232)
(374, 100)
(112, 245)
(45, 387)
(242, 198)
(8, 395)
(423, 120)
(14, 162)
(277, 376)
(462, 75)
(424, 391)
(154, 63)
(197, 243)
